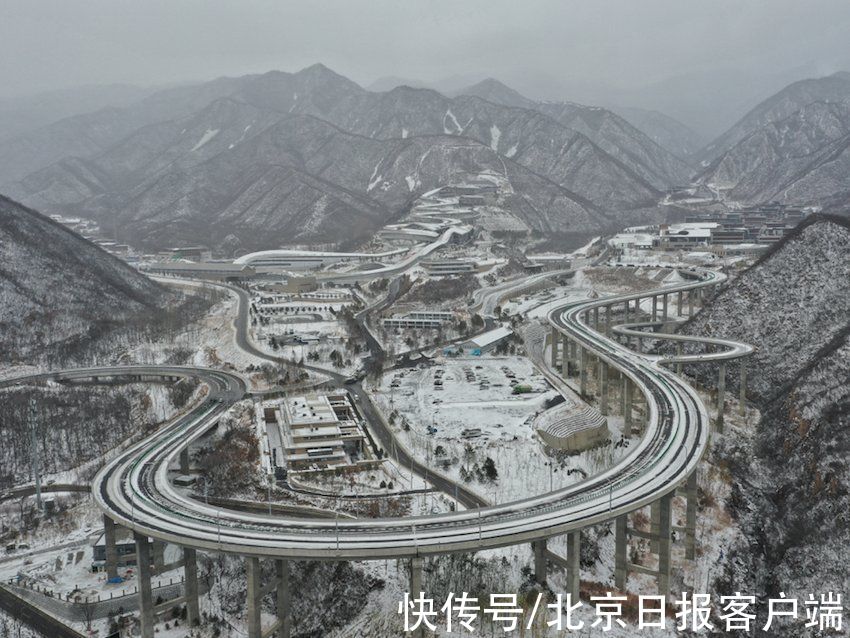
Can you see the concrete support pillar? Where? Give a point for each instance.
(621, 547)
(565, 356)
(573, 564)
(626, 313)
(654, 307)
(627, 392)
(284, 599)
(654, 525)
(158, 550)
(637, 308)
(691, 516)
(721, 395)
(664, 544)
(184, 460)
(538, 548)
(690, 303)
(603, 387)
(554, 352)
(679, 354)
(623, 406)
(416, 587)
(416, 565)
(143, 565)
(582, 370)
(742, 399)
(254, 598)
(679, 305)
(596, 318)
(573, 354)
(111, 549)
(190, 573)
(664, 303)
(609, 319)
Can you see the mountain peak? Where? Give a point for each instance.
(493, 90)
(319, 73)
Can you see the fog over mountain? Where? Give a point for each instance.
(313, 156)
(793, 147)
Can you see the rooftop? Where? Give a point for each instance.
(491, 337)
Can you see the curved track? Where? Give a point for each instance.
(135, 489)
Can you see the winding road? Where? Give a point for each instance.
(135, 488)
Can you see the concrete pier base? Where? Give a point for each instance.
(538, 549)
(565, 356)
(664, 544)
(679, 304)
(416, 587)
(143, 565)
(582, 370)
(721, 395)
(742, 398)
(253, 602)
(111, 549)
(190, 573)
(283, 599)
(679, 349)
(691, 496)
(573, 564)
(553, 354)
(621, 548)
(603, 387)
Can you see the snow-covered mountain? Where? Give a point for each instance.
(59, 291)
(632, 148)
(790, 480)
(802, 159)
(170, 156)
(833, 88)
(298, 177)
(666, 131)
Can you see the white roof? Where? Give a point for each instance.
(492, 336)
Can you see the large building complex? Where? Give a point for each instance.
(286, 260)
(319, 431)
(420, 320)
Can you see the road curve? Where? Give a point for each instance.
(136, 491)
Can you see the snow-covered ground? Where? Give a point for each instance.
(442, 426)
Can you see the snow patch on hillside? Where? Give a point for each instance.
(495, 136)
(206, 137)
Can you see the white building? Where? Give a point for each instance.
(489, 340)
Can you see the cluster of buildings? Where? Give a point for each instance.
(745, 230)
(762, 224)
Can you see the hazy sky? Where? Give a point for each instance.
(542, 47)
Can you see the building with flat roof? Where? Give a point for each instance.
(220, 271)
(489, 340)
(440, 267)
(320, 432)
(420, 320)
